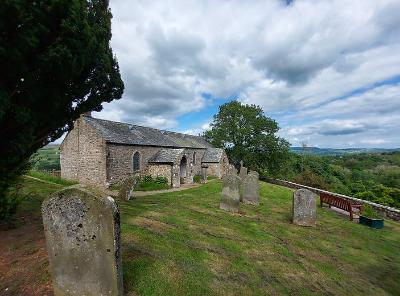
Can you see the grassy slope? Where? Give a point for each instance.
(180, 243)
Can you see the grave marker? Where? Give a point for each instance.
(83, 243)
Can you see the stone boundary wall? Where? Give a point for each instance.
(387, 212)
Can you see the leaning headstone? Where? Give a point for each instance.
(304, 207)
(230, 198)
(251, 189)
(127, 187)
(83, 242)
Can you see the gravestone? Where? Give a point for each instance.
(83, 243)
(230, 198)
(304, 207)
(204, 174)
(127, 186)
(243, 171)
(251, 189)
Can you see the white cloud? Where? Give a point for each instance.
(374, 141)
(298, 58)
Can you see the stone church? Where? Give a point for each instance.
(102, 153)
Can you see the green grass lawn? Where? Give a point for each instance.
(50, 178)
(180, 243)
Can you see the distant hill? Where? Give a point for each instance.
(333, 151)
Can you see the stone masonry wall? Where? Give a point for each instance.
(69, 156)
(83, 155)
(217, 169)
(214, 169)
(164, 170)
(120, 166)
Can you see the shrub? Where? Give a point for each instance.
(197, 179)
(161, 180)
(9, 203)
(308, 178)
(146, 179)
(369, 212)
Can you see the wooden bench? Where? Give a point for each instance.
(341, 203)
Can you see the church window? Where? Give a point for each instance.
(136, 161)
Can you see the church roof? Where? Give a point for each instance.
(212, 155)
(166, 156)
(129, 134)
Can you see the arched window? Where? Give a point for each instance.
(194, 158)
(136, 162)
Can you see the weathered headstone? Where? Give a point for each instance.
(304, 207)
(127, 187)
(230, 198)
(251, 189)
(204, 174)
(83, 243)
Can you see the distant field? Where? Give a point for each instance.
(47, 158)
(338, 152)
(180, 243)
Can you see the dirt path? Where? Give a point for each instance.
(147, 193)
(23, 260)
(40, 180)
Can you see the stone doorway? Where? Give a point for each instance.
(183, 170)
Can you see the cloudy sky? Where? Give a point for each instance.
(327, 71)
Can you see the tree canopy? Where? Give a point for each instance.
(247, 134)
(56, 63)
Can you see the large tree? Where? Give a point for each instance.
(248, 135)
(55, 64)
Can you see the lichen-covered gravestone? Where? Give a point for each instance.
(230, 198)
(83, 242)
(127, 187)
(251, 189)
(304, 207)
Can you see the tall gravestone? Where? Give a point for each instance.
(243, 171)
(83, 243)
(230, 198)
(204, 174)
(304, 207)
(251, 189)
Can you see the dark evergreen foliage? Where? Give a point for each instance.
(56, 63)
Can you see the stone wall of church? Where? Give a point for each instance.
(164, 170)
(83, 155)
(120, 162)
(87, 158)
(217, 169)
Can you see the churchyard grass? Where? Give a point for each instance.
(50, 178)
(181, 243)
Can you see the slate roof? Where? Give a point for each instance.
(212, 155)
(129, 134)
(166, 156)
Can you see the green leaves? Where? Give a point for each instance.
(247, 134)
